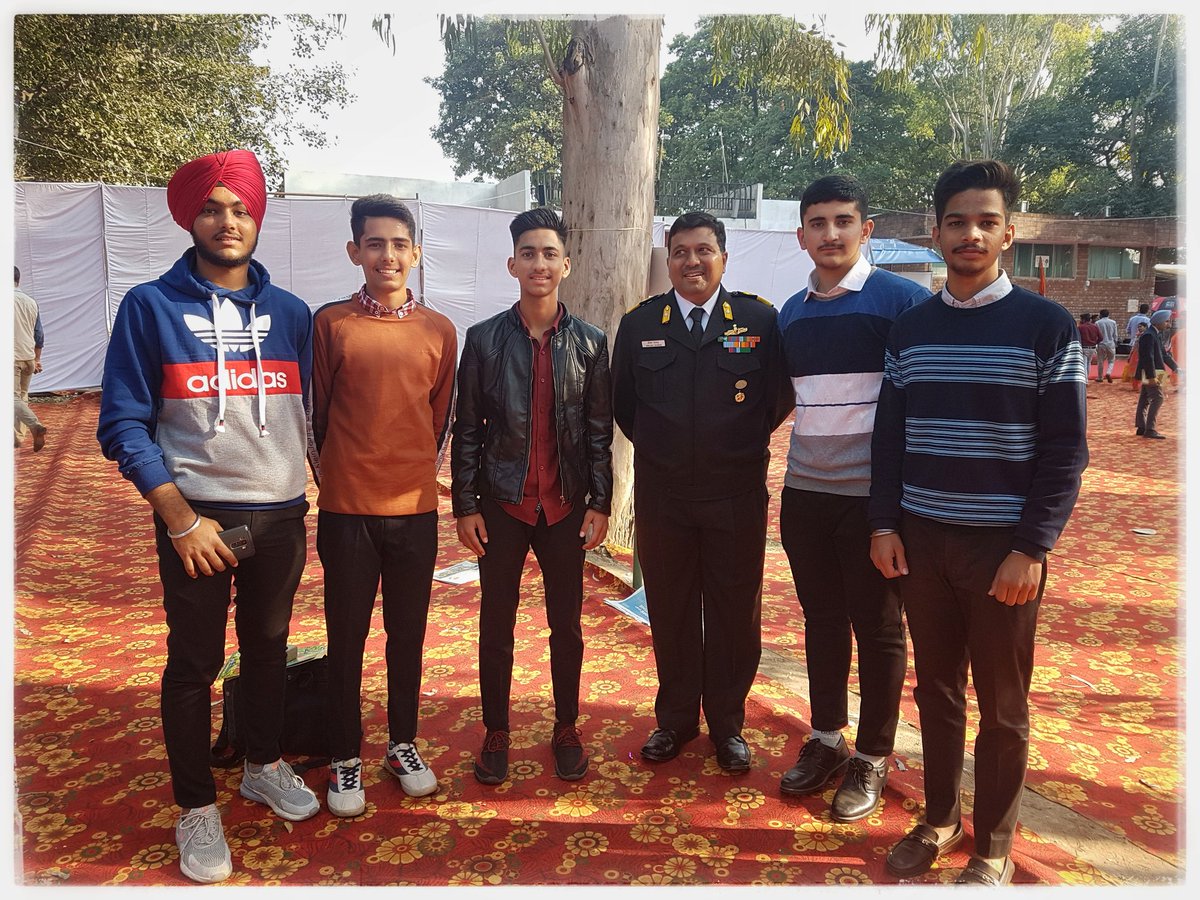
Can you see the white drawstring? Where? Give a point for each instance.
(262, 388)
(216, 308)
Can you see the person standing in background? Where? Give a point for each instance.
(27, 362)
(1106, 350)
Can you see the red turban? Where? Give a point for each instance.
(191, 185)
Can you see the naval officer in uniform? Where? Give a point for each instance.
(699, 384)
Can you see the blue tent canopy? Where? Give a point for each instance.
(893, 252)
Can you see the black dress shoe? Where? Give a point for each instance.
(1141, 431)
(816, 765)
(733, 754)
(979, 872)
(664, 744)
(917, 851)
(860, 792)
(1155, 435)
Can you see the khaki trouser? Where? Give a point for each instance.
(24, 415)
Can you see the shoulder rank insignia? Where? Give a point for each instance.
(642, 303)
(749, 296)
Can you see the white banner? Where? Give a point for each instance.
(81, 247)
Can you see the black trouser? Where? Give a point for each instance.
(702, 565)
(1150, 399)
(358, 553)
(559, 552)
(197, 612)
(953, 623)
(828, 543)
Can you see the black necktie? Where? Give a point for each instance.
(697, 317)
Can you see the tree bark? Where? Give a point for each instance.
(609, 77)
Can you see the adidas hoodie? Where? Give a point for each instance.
(206, 387)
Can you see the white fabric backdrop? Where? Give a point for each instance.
(81, 247)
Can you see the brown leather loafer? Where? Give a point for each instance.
(979, 872)
(917, 851)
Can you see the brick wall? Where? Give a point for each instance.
(1077, 294)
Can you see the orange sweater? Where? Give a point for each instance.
(382, 389)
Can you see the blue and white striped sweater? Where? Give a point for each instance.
(834, 351)
(982, 418)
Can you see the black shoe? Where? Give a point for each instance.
(664, 744)
(733, 754)
(492, 765)
(816, 765)
(916, 852)
(1108, 378)
(979, 872)
(1141, 432)
(861, 791)
(1154, 435)
(570, 759)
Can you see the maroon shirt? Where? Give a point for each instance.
(1089, 334)
(543, 484)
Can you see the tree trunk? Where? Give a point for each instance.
(609, 78)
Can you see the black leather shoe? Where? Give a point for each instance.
(664, 744)
(1155, 435)
(1141, 432)
(979, 872)
(733, 754)
(816, 765)
(916, 852)
(860, 792)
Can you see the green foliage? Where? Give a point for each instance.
(1110, 137)
(716, 129)
(784, 57)
(501, 110)
(719, 130)
(127, 98)
(985, 68)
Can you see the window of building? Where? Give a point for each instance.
(1121, 263)
(1062, 260)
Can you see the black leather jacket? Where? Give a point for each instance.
(489, 455)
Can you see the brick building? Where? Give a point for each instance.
(1094, 263)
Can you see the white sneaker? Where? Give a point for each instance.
(281, 789)
(203, 853)
(346, 796)
(404, 761)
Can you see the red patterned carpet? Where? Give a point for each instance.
(95, 807)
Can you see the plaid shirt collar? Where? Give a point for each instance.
(374, 308)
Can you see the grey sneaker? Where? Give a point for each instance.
(404, 761)
(346, 796)
(203, 853)
(281, 789)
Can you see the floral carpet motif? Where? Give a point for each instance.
(93, 795)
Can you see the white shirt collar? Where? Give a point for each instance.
(851, 281)
(997, 290)
(686, 306)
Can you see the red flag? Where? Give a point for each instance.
(1042, 280)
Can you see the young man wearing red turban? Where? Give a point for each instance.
(202, 408)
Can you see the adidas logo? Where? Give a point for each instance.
(235, 334)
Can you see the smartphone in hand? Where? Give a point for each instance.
(238, 540)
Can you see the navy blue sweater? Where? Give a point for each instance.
(982, 418)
